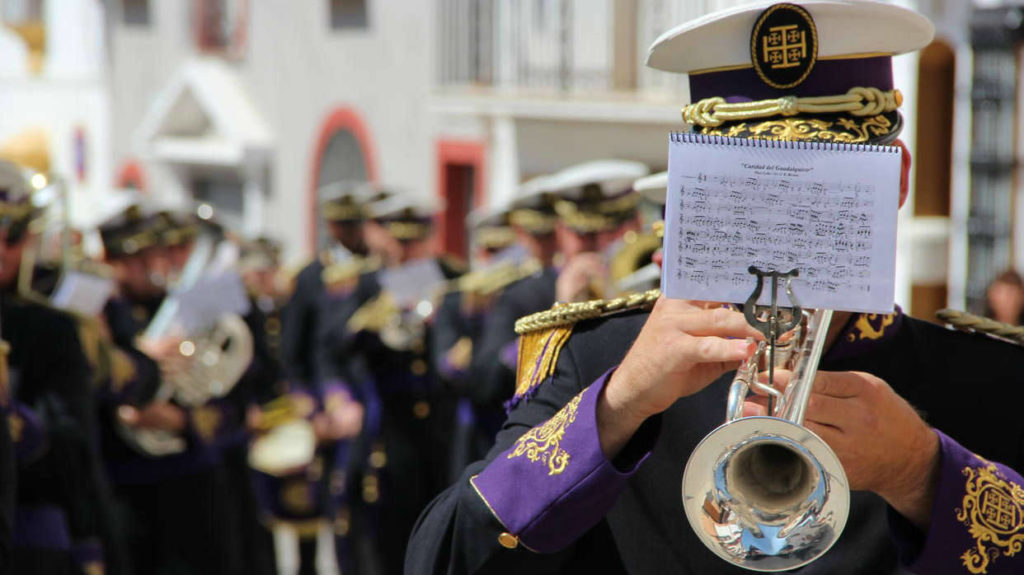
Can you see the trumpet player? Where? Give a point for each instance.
(586, 208)
(585, 476)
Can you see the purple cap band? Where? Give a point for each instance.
(828, 78)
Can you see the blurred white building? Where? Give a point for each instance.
(53, 90)
(256, 105)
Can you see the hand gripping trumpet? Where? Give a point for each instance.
(765, 493)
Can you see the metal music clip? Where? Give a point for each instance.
(773, 325)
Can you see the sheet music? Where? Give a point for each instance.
(83, 293)
(829, 213)
(213, 296)
(413, 282)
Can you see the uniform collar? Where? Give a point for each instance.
(865, 332)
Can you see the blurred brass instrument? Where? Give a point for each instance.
(286, 441)
(492, 279)
(631, 269)
(765, 493)
(220, 355)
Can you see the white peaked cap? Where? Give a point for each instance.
(845, 27)
(613, 176)
(653, 187)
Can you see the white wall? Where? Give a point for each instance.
(296, 70)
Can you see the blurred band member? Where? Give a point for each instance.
(50, 415)
(174, 506)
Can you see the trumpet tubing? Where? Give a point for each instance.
(765, 493)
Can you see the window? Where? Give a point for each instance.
(135, 12)
(348, 14)
(221, 25)
(21, 11)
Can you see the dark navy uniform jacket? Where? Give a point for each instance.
(547, 501)
(493, 368)
(299, 325)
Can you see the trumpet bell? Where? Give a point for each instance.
(765, 494)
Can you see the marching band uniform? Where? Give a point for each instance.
(411, 414)
(173, 506)
(547, 500)
(457, 329)
(322, 380)
(57, 521)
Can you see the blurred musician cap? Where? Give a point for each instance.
(15, 199)
(347, 201)
(124, 225)
(596, 196)
(491, 227)
(261, 253)
(812, 70)
(652, 187)
(533, 209)
(406, 216)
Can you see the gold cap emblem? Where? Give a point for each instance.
(784, 45)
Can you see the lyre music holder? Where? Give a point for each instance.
(774, 324)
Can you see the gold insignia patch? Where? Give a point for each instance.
(541, 444)
(16, 426)
(993, 511)
(865, 326)
(296, 496)
(784, 46)
(206, 421)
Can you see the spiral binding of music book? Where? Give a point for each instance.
(825, 210)
(774, 143)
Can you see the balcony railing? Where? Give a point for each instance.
(568, 46)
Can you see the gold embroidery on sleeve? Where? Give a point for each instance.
(993, 511)
(866, 327)
(541, 444)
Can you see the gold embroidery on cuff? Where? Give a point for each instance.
(541, 444)
(993, 511)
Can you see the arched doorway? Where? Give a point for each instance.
(344, 152)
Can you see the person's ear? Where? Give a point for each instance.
(904, 172)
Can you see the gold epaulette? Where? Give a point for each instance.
(568, 314)
(977, 324)
(339, 273)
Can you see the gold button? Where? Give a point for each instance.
(421, 409)
(418, 367)
(416, 346)
(378, 459)
(508, 541)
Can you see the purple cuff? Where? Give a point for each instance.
(43, 527)
(977, 523)
(555, 483)
(26, 432)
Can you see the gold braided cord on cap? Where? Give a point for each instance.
(571, 313)
(858, 101)
(534, 221)
(978, 324)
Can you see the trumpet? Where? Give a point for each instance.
(765, 493)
